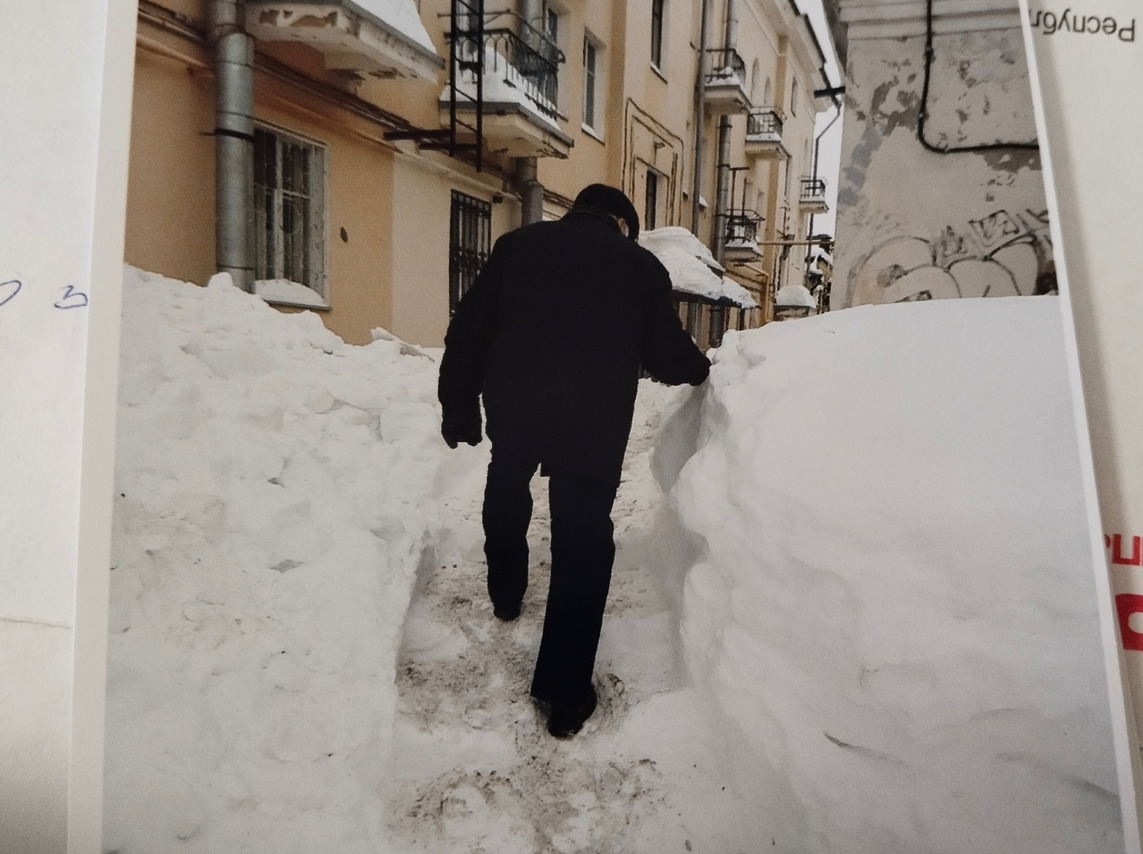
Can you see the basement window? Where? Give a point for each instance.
(290, 220)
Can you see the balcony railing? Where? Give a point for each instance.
(515, 54)
(764, 123)
(725, 67)
(742, 227)
(813, 190)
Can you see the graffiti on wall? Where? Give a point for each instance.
(1000, 254)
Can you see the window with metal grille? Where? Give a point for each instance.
(657, 33)
(470, 242)
(289, 209)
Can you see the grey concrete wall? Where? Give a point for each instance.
(913, 223)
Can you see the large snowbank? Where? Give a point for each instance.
(271, 512)
(890, 633)
(893, 607)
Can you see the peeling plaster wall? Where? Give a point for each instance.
(916, 224)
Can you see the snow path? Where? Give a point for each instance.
(473, 768)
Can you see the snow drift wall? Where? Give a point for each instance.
(271, 509)
(893, 610)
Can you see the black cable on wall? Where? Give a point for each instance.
(992, 146)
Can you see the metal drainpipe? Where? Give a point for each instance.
(527, 184)
(817, 148)
(722, 192)
(718, 243)
(530, 189)
(234, 140)
(700, 116)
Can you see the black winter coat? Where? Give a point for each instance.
(553, 333)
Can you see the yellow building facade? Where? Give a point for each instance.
(375, 149)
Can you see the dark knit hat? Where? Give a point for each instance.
(610, 200)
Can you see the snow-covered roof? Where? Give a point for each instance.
(795, 295)
(401, 15)
(682, 238)
(817, 252)
(692, 266)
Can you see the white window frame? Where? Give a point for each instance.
(549, 14)
(661, 43)
(593, 74)
(313, 254)
(551, 25)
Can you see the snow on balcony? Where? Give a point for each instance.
(725, 86)
(519, 120)
(384, 38)
(692, 267)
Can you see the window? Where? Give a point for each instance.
(551, 24)
(550, 30)
(289, 209)
(657, 33)
(651, 202)
(467, 16)
(590, 56)
(794, 98)
(469, 243)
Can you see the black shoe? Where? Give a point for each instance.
(507, 613)
(566, 721)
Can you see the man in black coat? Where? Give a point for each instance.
(552, 333)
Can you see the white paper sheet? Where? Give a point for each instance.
(1088, 59)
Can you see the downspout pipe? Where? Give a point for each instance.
(817, 149)
(722, 200)
(722, 191)
(527, 168)
(700, 115)
(234, 140)
(530, 189)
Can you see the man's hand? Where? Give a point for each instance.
(467, 431)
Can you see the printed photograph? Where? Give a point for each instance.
(584, 426)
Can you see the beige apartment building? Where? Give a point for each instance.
(360, 157)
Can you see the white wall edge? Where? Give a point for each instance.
(1122, 714)
(89, 686)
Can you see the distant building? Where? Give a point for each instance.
(360, 157)
(819, 275)
(794, 301)
(941, 191)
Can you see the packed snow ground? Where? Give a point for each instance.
(861, 620)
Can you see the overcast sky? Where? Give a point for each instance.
(829, 151)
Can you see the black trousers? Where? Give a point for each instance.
(583, 551)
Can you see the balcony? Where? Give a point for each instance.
(358, 36)
(813, 197)
(741, 242)
(725, 82)
(507, 77)
(764, 135)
